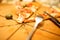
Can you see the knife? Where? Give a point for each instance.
(53, 19)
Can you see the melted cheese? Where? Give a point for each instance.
(33, 9)
(20, 19)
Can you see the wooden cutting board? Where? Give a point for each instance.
(11, 30)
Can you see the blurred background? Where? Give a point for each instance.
(49, 2)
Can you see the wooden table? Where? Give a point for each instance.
(11, 30)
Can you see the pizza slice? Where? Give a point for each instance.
(25, 13)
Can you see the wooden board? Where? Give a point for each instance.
(11, 30)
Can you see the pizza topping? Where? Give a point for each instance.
(20, 19)
(8, 16)
(27, 10)
(33, 9)
(29, 5)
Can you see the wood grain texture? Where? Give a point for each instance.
(46, 31)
